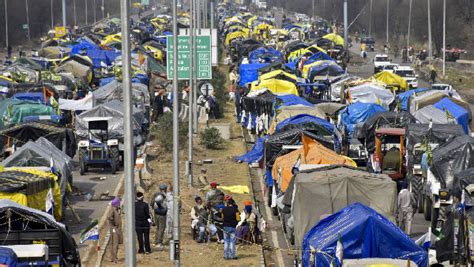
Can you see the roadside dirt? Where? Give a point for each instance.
(223, 170)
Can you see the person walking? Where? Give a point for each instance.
(115, 229)
(406, 204)
(142, 224)
(231, 216)
(160, 209)
(433, 75)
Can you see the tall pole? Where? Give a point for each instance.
(430, 48)
(102, 7)
(190, 96)
(370, 19)
(444, 38)
(28, 20)
(345, 24)
(197, 10)
(64, 12)
(175, 246)
(52, 15)
(388, 12)
(409, 24)
(74, 11)
(312, 9)
(129, 185)
(212, 16)
(94, 9)
(87, 13)
(6, 25)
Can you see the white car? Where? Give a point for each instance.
(380, 61)
(408, 74)
(390, 67)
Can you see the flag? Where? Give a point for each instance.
(51, 165)
(50, 202)
(90, 233)
(296, 166)
(339, 251)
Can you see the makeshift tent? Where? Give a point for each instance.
(113, 109)
(364, 233)
(96, 54)
(432, 114)
(459, 113)
(305, 119)
(42, 154)
(8, 257)
(62, 138)
(249, 72)
(330, 108)
(258, 102)
(357, 113)
(279, 74)
(80, 71)
(433, 96)
(13, 111)
(85, 103)
(276, 86)
(310, 153)
(291, 111)
(113, 91)
(418, 133)
(335, 38)
(265, 55)
(335, 187)
(31, 223)
(371, 93)
(30, 187)
(322, 68)
(391, 80)
(256, 153)
(404, 97)
(389, 119)
(450, 158)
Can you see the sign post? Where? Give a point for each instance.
(203, 58)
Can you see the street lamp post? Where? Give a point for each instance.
(190, 94)
(74, 10)
(28, 20)
(370, 19)
(52, 15)
(87, 13)
(6, 24)
(94, 9)
(409, 24)
(64, 12)
(430, 48)
(444, 38)
(388, 12)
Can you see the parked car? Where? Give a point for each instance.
(407, 73)
(380, 61)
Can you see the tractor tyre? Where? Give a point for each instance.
(114, 159)
(416, 188)
(82, 163)
(427, 208)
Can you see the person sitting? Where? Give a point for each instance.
(202, 179)
(214, 196)
(218, 221)
(199, 215)
(247, 229)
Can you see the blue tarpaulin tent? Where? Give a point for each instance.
(8, 257)
(256, 153)
(327, 67)
(35, 97)
(249, 72)
(364, 234)
(96, 54)
(459, 113)
(405, 97)
(358, 113)
(306, 118)
(291, 100)
(266, 55)
(313, 58)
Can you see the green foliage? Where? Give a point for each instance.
(163, 132)
(218, 82)
(211, 138)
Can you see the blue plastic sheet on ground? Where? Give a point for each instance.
(291, 100)
(405, 97)
(358, 113)
(306, 118)
(249, 72)
(459, 113)
(256, 153)
(364, 234)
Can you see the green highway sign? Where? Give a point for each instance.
(203, 57)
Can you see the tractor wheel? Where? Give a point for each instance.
(82, 163)
(442, 216)
(427, 208)
(114, 159)
(416, 188)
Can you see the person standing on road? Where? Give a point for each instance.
(433, 75)
(406, 204)
(142, 224)
(231, 217)
(160, 209)
(115, 229)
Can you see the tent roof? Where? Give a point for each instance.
(364, 234)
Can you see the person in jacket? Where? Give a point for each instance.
(160, 208)
(115, 229)
(247, 228)
(406, 202)
(218, 220)
(214, 196)
(202, 179)
(231, 216)
(142, 224)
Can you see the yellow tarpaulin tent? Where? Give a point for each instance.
(335, 38)
(113, 38)
(312, 152)
(238, 34)
(391, 80)
(30, 187)
(276, 86)
(307, 68)
(278, 73)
